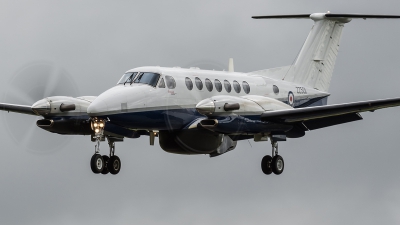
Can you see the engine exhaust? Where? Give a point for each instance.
(209, 123)
(44, 123)
(65, 107)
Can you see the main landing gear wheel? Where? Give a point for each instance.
(97, 163)
(277, 164)
(266, 164)
(273, 164)
(105, 169)
(114, 164)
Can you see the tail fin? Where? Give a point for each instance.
(316, 60)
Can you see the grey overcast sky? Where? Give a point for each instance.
(347, 174)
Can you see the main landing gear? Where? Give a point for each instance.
(273, 164)
(104, 164)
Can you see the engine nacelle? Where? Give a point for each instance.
(68, 126)
(224, 105)
(240, 125)
(226, 114)
(62, 106)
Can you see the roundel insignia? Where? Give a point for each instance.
(291, 98)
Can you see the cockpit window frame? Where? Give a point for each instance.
(161, 83)
(154, 84)
(131, 74)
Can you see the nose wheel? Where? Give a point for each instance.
(104, 164)
(273, 164)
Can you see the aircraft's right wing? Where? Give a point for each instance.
(25, 109)
(323, 116)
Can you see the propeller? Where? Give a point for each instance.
(30, 84)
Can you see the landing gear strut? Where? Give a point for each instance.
(114, 163)
(104, 164)
(274, 164)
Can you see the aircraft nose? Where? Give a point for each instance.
(97, 107)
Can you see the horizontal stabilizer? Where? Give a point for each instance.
(25, 109)
(361, 16)
(317, 112)
(328, 15)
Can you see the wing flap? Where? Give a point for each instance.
(331, 121)
(318, 112)
(24, 109)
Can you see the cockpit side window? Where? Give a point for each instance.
(147, 78)
(162, 83)
(127, 78)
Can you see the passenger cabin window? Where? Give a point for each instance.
(246, 87)
(218, 85)
(236, 86)
(227, 86)
(199, 83)
(189, 83)
(147, 78)
(127, 78)
(170, 82)
(275, 89)
(162, 83)
(209, 84)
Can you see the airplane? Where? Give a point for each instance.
(193, 111)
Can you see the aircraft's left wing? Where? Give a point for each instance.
(323, 116)
(25, 109)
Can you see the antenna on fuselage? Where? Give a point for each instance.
(230, 68)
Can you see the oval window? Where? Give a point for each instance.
(246, 87)
(275, 89)
(189, 83)
(199, 83)
(170, 82)
(218, 85)
(209, 84)
(227, 86)
(236, 86)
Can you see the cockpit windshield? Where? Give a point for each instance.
(127, 78)
(147, 78)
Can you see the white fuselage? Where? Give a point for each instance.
(142, 106)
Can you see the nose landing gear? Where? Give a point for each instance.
(274, 164)
(104, 164)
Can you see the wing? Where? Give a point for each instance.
(323, 116)
(25, 109)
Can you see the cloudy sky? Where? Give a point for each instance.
(344, 174)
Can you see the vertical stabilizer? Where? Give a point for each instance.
(314, 66)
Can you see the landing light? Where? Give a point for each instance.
(95, 124)
(101, 125)
(96, 130)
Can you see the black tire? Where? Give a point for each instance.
(277, 164)
(266, 164)
(105, 169)
(114, 165)
(97, 163)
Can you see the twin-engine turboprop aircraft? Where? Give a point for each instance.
(194, 111)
